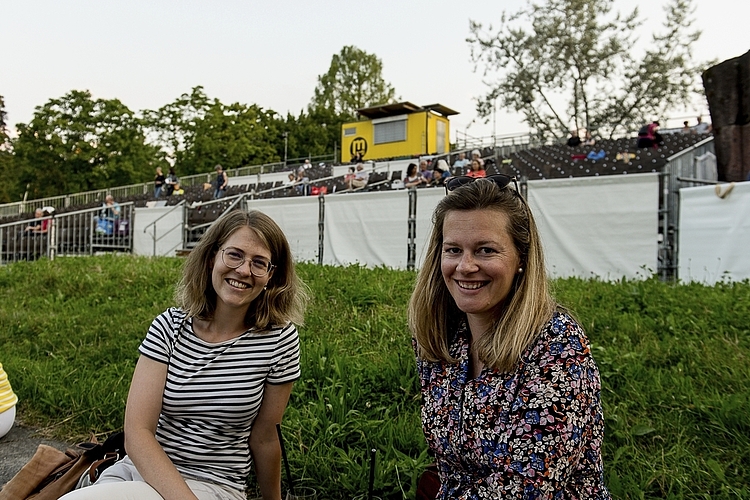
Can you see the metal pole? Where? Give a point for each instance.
(321, 227)
(286, 137)
(411, 246)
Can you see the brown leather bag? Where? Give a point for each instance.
(51, 473)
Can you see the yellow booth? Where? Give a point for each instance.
(397, 130)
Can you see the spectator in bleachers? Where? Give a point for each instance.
(462, 162)
(357, 157)
(38, 226)
(220, 183)
(159, 180)
(686, 128)
(170, 182)
(291, 180)
(110, 208)
(440, 173)
(361, 176)
(588, 139)
(477, 170)
(574, 140)
(649, 137)
(177, 189)
(302, 181)
(475, 155)
(701, 127)
(413, 177)
(425, 172)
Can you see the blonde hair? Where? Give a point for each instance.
(434, 315)
(286, 295)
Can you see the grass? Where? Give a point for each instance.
(673, 359)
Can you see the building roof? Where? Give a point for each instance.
(402, 108)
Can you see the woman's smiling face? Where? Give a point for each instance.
(479, 262)
(237, 288)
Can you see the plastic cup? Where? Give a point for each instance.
(302, 493)
(6, 420)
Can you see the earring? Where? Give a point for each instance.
(265, 287)
(520, 270)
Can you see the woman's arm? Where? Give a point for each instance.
(264, 440)
(141, 415)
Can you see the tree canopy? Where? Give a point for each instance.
(76, 143)
(571, 64)
(354, 80)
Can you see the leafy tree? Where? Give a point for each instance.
(233, 135)
(567, 64)
(76, 143)
(353, 81)
(173, 126)
(6, 158)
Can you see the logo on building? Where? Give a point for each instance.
(358, 147)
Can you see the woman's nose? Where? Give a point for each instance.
(467, 263)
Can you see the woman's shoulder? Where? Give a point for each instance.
(561, 334)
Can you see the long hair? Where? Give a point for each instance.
(433, 314)
(286, 296)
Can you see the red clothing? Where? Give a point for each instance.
(476, 173)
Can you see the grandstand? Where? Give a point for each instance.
(75, 224)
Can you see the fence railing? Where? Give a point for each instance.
(83, 232)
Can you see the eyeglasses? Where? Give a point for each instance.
(234, 258)
(500, 180)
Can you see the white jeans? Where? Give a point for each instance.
(123, 482)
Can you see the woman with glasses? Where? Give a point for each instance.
(214, 374)
(510, 392)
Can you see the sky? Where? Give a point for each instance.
(148, 52)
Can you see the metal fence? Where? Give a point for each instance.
(83, 232)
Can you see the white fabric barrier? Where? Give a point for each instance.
(298, 218)
(167, 230)
(367, 228)
(604, 227)
(714, 233)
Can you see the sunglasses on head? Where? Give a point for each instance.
(500, 180)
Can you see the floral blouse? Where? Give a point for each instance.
(535, 433)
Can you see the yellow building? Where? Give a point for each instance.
(397, 130)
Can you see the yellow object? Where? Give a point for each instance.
(7, 398)
(397, 130)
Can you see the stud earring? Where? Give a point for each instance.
(520, 269)
(265, 287)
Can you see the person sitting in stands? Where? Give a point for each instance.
(475, 155)
(178, 191)
(477, 170)
(440, 173)
(462, 162)
(39, 226)
(649, 136)
(588, 139)
(290, 180)
(425, 172)
(686, 128)
(361, 176)
(170, 182)
(574, 140)
(110, 208)
(413, 177)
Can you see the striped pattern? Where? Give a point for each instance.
(213, 393)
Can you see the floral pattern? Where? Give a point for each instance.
(535, 433)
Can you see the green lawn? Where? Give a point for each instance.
(674, 364)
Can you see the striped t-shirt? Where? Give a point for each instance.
(213, 393)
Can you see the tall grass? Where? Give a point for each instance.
(673, 359)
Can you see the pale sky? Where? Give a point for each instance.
(148, 52)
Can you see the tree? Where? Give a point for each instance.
(569, 64)
(6, 158)
(353, 81)
(76, 143)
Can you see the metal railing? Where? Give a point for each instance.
(82, 232)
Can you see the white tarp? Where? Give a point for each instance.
(367, 228)
(163, 224)
(298, 218)
(714, 235)
(604, 227)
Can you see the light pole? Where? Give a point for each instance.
(286, 137)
